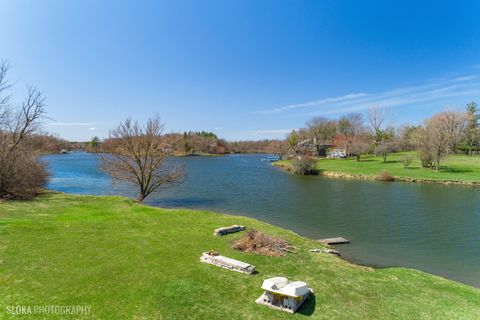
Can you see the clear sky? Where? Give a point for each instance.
(243, 69)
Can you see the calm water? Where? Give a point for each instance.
(434, 228)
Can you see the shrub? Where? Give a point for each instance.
(426, 159)
(407, 160)
(384, 176)
(257, 242)
(24, 177)
(305, 166)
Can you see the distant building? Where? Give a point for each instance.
(313, 147)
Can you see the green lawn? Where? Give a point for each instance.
(129, 261)
(453, 168)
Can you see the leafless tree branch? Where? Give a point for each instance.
(20, 173)
(137, 154)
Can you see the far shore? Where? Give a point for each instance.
(456, 169)
(200, 154)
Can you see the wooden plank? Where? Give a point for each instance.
(226, 230)
(337, 240)
(227, 263)
(331, 251)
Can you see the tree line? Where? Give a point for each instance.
(353, 135)
(203, 142)
(44, 142)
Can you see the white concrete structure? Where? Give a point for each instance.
(284, 295)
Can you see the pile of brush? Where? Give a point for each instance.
(384, 176)
(257, 242)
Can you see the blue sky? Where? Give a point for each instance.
(243, 69)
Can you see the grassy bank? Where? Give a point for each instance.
(454, 168)
(129, 261)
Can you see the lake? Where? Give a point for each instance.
(434, 228)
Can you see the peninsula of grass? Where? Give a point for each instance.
(454, 168)
(130, 261)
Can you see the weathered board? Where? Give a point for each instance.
(227, 263)
(338, 240)
(331, 251)
(226, 230)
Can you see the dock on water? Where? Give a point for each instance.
(337, 240)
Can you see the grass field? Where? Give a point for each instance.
(129, 261)
(453, 168)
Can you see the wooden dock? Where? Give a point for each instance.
(337, 240)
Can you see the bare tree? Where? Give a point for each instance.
(322, 130)
(4, 86)
(376, 119)
(359, 147)
(454, 123)
(385, 148)
(435, 140)
(137, 154)
(380, 132)
(352, 127)
(20, 173)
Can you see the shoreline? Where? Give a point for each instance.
(351, 261)
(348, 260)
(342, 175)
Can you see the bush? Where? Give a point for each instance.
(305, 166)
(24, 177)
(258, 242)
(384, 176)
(426, 159)
(407, 160)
